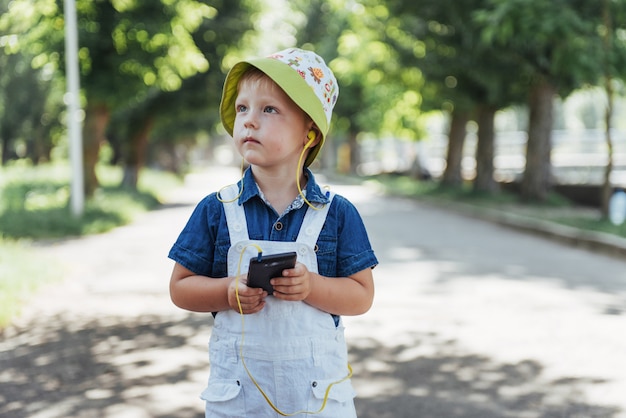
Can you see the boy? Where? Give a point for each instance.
(285, 353)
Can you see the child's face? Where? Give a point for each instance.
(270, 129)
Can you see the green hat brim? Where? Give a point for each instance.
(292, 84)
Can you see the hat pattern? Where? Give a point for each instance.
(315, 73)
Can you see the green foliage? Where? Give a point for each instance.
(30, 95)
(129, 47)
(192, 108)
(160, 64)
(461, 70)
(562, 45)
(135, 56)
(34, 202)
(376, 94)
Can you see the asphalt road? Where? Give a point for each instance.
(471, 319)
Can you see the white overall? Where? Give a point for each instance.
(293, 350)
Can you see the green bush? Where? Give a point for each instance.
(35, 202)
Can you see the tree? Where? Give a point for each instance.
(188, 109)
(556, 49)
(452, 175)
(135, 49)
(464, 76)
(127, 51)
(376, 94)
(614, 51)
(30, 97)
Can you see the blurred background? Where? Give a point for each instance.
(513, 107)
(486, 91)
(493, 97)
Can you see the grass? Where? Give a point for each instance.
(34, 205)
(20, 277)
(35, 202)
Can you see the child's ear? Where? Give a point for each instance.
(312, 138)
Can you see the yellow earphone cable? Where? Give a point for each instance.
(298, 173)
(219, 193)
(265, 396)
(299, 169)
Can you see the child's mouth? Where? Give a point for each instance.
(250, 140)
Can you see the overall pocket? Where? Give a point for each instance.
(340, 402)
(224, 398)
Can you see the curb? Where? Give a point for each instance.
(595, 241)
(590, 240)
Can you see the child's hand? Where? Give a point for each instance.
(252, 299)
(294, 285)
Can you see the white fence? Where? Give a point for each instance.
(578, 157)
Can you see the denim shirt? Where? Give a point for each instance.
(342, 249)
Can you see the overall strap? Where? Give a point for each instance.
(313, 223)
(238, 228)
(235, 214)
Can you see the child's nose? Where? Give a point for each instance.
(250, 119)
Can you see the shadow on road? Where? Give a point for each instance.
(406, 382)
(453, 296)
(101, 368)
(105, 368)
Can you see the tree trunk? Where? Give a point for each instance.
(456, 139)
(607, 188)
(5, 142)
(42, 144)
(136, 153)
(484, 181)
(96, 120)
(536, 182)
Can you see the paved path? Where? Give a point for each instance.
(470, 320)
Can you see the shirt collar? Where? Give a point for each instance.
(313, 192)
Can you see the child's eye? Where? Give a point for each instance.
(270, 109)
(241, 108)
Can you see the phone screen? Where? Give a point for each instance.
(260, 272)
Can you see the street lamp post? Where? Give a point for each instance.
(74, 115)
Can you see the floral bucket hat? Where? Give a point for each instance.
(304, 77)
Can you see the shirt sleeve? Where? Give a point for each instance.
(354, 251)
(195, 247)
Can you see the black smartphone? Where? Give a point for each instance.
(270, 266)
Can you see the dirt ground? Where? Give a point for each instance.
(107, 341)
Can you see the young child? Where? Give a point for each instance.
(285, 353)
